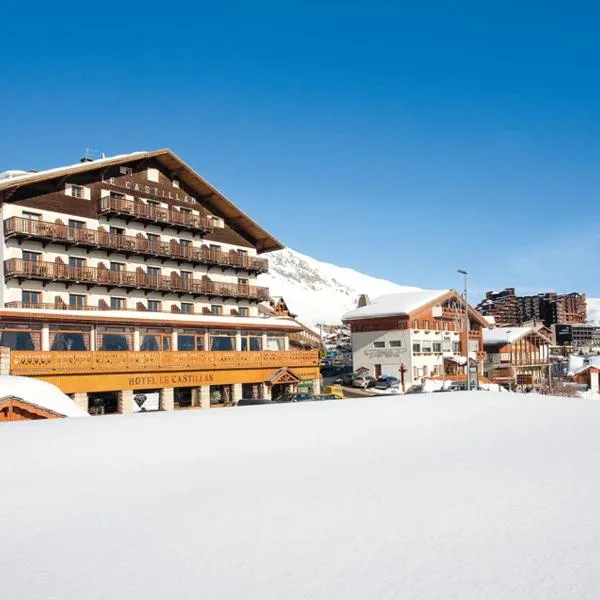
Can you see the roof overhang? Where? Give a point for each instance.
(236, 218)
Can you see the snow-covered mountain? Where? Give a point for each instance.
(593, 310)
(317, 291)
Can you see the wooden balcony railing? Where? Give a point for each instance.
(48, 271)
(18, 227)
(138, 211)
(81, 362)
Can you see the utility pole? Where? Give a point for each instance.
(468, 365)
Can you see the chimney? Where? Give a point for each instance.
(363, 300)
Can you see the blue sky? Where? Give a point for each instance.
(403, 139)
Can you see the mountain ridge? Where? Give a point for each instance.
(318, 291)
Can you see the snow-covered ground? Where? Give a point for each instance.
(320, 292)
(436, 496)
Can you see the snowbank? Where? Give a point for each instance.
(40, 393)
(481, 496)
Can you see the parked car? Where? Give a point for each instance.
(346, 379)
(387, 381)
(415, 389)
(364, 381)
(253, 401)
(296, 397)
(334, 390)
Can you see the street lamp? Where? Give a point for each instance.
(464, 274)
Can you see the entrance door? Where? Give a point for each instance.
(377, 371)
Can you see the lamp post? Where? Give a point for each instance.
(464, 274)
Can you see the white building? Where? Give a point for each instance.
(416, 335)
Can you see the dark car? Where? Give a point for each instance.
(346, 379)
(253, 401)
(386, 381)
(284, 398)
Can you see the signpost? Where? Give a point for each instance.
(402, 371)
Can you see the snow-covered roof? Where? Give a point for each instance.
(434, 496)
(506, 335)
(237, 219)
(39, 393)
(402, 303)
(81, 166)
(132, 316)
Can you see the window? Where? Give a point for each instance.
(244, 311)
(437, 347)
(185, 243)
(187, 308)
(175, 183)
(117, 267)
(416, 324)
(242, 252)
(125, 170)
(275, 342)
(152, 340)
(215, 247)
(114, 338)
(222, 340)
(31, 216)
(117, 195)
(77, 301)
(242, 281)
(65, 338)
(416, 347)
(154, 305)
(426, 324)
(117, 303)
(395, 343)
(76, 191)
(20, 337)
(379, 344)
(31, 256)
(153, 275)
(153, 237)
(455, 347)
(30, 298)
(185, 275)
(251, 340)
(73, 224)
(76, 262)
(216, 309)
(116, 230)
(190, 339)
(426, 346)
(153, 175)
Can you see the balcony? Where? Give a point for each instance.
(17, 268)
(132, 210)
(38, 363)
(19, 228)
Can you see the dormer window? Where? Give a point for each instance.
(153, 175)
(126, 170)
(77, 191)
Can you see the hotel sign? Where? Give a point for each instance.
(133, 186)
(156, 380)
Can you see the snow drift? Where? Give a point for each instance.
(437, 496)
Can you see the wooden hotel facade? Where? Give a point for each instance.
(131, 284)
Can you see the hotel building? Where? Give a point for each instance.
(131, 283)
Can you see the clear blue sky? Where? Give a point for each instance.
(403, 139)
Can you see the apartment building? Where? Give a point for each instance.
(510, 309)
(131, 276)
